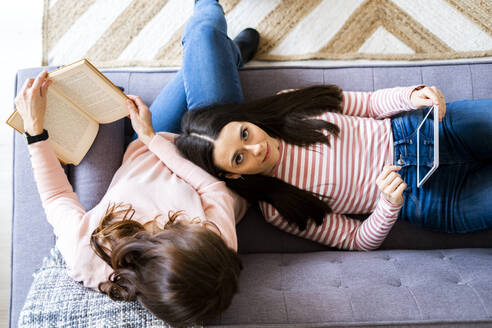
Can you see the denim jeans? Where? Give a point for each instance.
(209, 74)
(457, 198)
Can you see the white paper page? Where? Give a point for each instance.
(90, 92)
(71, 131)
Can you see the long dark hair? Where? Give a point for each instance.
(183, 274)
(288, 116)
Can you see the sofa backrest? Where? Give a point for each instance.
(32, 236)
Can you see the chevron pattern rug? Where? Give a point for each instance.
(114, 33)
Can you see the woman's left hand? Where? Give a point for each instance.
(429, 96)
(31, 103)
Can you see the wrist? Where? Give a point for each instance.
(414, 96)
(397, 202)
(34, 131)
(33, 128)
(147, 138)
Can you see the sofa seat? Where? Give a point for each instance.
(390, 288)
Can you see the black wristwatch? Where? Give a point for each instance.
(40, 137)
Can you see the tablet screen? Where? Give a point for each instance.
(427, 146)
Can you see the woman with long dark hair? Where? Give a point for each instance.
(314, 155)
(164, 232)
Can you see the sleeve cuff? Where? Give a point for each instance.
(408, 92)
(390, 210)
(153, 141)
(166, 151)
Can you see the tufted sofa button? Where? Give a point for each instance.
(395, 283)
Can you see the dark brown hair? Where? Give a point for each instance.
(288, 116)
(183, 274)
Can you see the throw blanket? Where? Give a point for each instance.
(56, 300)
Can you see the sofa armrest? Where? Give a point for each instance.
(32, 236)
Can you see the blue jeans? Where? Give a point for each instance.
(457, 198)
(209, 74)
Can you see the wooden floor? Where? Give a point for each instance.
(20, 37)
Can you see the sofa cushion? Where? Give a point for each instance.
(395, 288)
(441, 288)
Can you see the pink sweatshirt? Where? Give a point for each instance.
(346, 171)
(155, 180)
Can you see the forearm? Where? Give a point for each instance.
(337, 230)
(56, 193)
(186, 170)
(372, 231)
(378, 104)
(48, 173)
(218, 205)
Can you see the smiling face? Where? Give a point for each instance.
(244, 148)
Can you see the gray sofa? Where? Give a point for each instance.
(418, 278)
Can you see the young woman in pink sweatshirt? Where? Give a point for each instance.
(164, 232)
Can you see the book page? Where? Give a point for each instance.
(71, 132)
(82, 84)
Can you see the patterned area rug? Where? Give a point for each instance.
(114, 33)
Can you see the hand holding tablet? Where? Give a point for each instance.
(422, 171)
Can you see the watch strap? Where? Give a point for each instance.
(40, 137)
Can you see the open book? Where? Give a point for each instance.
(79, 98)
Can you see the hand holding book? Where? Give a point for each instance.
(141, 119)
(79, 99)
(31, 103)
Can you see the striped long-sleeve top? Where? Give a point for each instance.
(346, 171)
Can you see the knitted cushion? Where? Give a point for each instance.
(56, 300)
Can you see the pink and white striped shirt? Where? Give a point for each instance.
(346, 171)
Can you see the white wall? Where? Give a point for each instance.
(20, 47)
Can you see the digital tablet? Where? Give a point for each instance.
(423, 147)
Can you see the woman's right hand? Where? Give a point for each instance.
(391, 184)
(141, 118)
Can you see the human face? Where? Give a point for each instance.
(244, 148)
